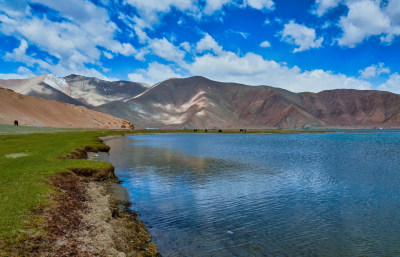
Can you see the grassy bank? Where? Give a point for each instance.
(27, 161)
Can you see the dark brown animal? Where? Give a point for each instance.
(15, 123)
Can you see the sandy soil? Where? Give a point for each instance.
(33, 111)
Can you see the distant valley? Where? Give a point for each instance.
(197, 102)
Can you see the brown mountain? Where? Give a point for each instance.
(35, 111)
(198, 102)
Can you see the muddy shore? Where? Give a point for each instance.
(90, 217)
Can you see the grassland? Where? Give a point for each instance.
(27, 161)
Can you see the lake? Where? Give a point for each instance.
(335, 194)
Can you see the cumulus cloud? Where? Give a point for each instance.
(323, 6)
(392, 84)
(165, 49)
(74, 40)
(374, 71)
(364, 19)
(19, 54)
(253, 69)
(162, 48)
(215, 5)
(150, 10)
(154, 73)
(265, 44)
(261, 4)
(22, 73)
(300, 35)
(208, 43)
(250, 69)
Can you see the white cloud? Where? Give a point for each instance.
(155, 73)
(252, 69)
(150, 10)
(300, 35)
(322, 6)
(265, 44)
(208, 43)
(186, 46)
(73, 40)
(245, 35)
(215, 5)
(374, 71)
(261, 4)
(23, 73)
(19, 55)
(392, 84)
(165, 49)
(364, 19)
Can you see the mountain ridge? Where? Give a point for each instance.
(198, 102)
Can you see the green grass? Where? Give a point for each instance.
(12, 130)
(23, 184)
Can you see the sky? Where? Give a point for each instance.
(299, 45)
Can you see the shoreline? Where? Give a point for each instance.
(114, 230)
(89, 216)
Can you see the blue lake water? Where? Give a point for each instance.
(265, 195)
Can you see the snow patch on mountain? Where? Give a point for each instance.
(57, 83)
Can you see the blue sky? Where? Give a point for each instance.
(307, 45)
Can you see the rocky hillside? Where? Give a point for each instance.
(35, 111)
(95, 92)
(46, 86)
(75, 89)
(197, 102)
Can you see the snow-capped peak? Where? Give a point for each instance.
(57, 83)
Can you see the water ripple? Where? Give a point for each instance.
(263, 195)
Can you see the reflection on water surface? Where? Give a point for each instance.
(241, 195)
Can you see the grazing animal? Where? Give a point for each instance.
(206, 130)
(241, 130)
(220, 131)
(15, 123)
(245, 131)
(194, 130)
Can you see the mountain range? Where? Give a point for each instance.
(197, 102)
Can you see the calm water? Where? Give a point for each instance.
(263, 195)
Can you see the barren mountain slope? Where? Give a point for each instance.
(46, 86)
(347, 108)
(201, 103)
(197, 102)
(35, 111)
(95, 92)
